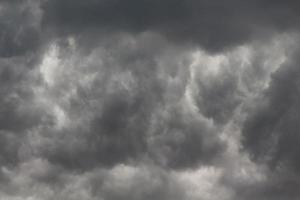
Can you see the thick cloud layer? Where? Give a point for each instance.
(214, 25)
(148, 99)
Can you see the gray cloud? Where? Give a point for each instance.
(271, 129)
(132, 111)
(269, 134)
(18, 112)
(140, 99)
(213, 25)
(19, 22)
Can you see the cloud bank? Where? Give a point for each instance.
(148, 99)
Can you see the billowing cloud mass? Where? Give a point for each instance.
(149, 99)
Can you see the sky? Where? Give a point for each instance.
(149, 100)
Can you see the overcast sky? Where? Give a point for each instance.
(149, 100)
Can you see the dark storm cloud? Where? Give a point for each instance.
(19, 28)
(19, 40)
(114, 135)
(119, 122)
(270, 133)
(213, 25)
(271, 130)
(103, 99)
(11, 78)
(18, 113)
(131, 123)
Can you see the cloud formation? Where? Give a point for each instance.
(148, 99)
(213, 25)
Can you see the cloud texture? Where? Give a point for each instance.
(149, 99)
